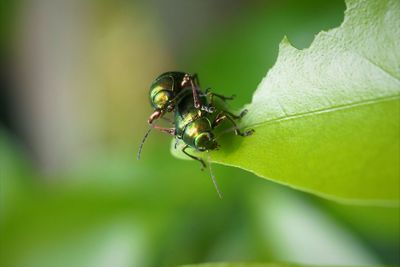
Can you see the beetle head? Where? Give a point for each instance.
(205, 141)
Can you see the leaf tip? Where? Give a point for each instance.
(285, 43)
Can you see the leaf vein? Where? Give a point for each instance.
(326, 110)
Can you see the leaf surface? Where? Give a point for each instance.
(327, 117)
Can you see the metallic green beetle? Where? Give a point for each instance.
(196, 127)
(167, 90)
(194, 123)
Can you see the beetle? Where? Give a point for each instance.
(167, 90)
(195, 127)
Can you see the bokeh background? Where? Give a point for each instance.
(73, 109)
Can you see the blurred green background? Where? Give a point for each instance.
(73, 109)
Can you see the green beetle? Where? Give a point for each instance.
(167, 90)
(193, 125)
(196, 128)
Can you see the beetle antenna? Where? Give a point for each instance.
(213, 178)
(144, 139)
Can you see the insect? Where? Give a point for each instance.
(168, 89)
(193, 125)
(196, 128)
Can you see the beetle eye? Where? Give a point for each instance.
(161, 99)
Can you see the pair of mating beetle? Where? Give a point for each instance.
(196, 114)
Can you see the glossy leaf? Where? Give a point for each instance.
(327, 117)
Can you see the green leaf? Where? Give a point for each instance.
(327, 117)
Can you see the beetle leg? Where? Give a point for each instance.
(225, 115)
(218, 119)
(193, 80)
(189, 79)
(155, 115)
(170, 131)
(176, 142)
(205, 93)
(224, 98)
(241, 115)
(208, 109)
(193, 157)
